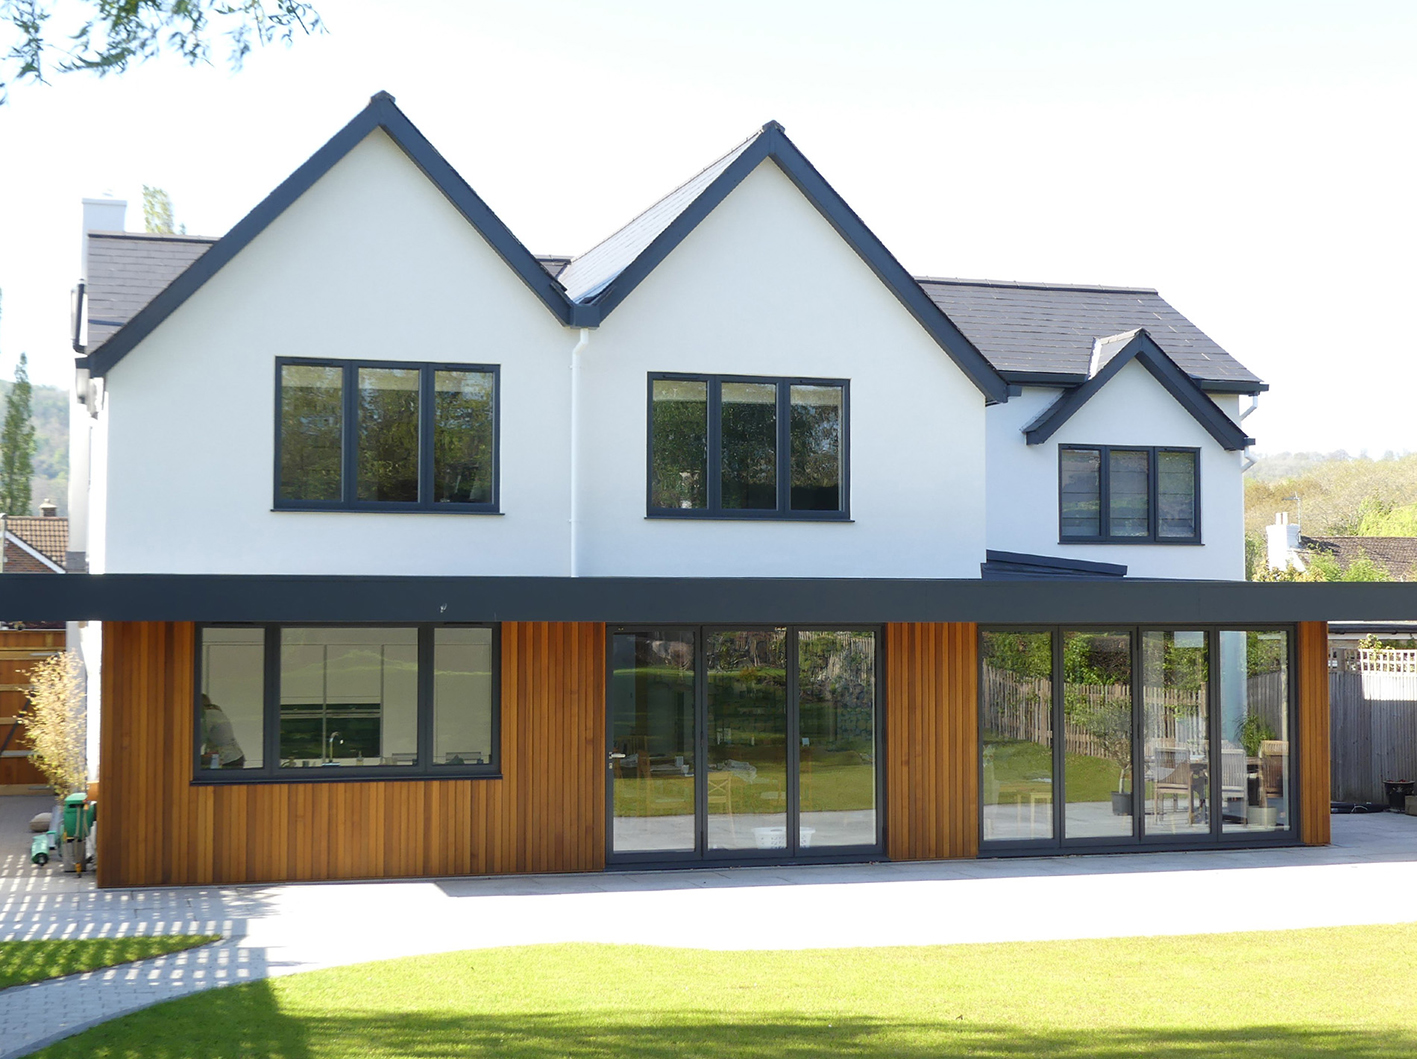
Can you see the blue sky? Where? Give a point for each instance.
(1253, 161)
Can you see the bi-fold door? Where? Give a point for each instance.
(739, 744)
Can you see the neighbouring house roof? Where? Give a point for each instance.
(1113, 353)
(381, 113)
(1036, 332)
(126, 270)
(1396, 555)
(35, 544)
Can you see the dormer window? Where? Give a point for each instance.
(1122, 495)
(359, 435)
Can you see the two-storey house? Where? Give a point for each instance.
(632, 557)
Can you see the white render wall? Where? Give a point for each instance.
(1132, 409)
(765, 286)
(371, 263)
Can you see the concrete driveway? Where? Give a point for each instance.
(277, 930)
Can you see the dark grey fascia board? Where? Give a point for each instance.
(665, 601)
(773, 143)
(1064, 379)
(1177, 383)
(1246, 389)
(381, 113)
(1082, 566)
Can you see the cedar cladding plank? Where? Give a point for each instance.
(545, 813)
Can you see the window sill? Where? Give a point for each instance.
(723, 516)
(372, 510)
(342, 775)
(1130, 541)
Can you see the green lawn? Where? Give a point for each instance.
(1333, 992)
(1090, 779)
(32, 961)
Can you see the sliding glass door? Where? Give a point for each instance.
(1108, 738)
(738, 744)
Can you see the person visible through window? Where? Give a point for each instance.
(219, 746)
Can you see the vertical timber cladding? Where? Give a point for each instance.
(546, 813)
(932, 741)
(1313, 734)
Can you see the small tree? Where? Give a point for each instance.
(17, 445)
(158, 216)
(55, 722)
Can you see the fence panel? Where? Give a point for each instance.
(1373, 721)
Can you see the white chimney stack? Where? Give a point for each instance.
(100, 215)
(1282, 543)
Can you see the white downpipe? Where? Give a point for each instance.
(581, 343)
(1254, 403)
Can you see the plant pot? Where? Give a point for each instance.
(1261, 816)
(1121, 803)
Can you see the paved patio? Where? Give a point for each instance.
(277, 930)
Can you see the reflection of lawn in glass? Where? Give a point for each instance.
(1018, 762)
(1337, 992)
(836, 782)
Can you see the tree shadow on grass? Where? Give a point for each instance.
(245, 1022)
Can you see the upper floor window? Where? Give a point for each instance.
(386, 436)
(1129, 495)
(747, 447)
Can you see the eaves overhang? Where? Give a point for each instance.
(670, 600)
(380, 114)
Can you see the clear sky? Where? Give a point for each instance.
(1253, 161)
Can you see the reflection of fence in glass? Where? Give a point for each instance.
(1017, 707)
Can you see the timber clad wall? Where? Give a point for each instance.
(932, 736)
(546, 813)
(1313, 734)
(20, 649)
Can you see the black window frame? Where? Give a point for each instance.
(271, 771)
(349, 451)
(714, 509)
(1139, 841)
(1104, 495)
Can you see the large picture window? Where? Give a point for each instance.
(1121, 737)
(379, 436)
(324, 702)
(745, 447)
(1128, 495)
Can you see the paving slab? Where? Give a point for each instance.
(276, 930)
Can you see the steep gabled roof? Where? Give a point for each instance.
(604, 276)
(381, 113)
(1110, 355)
(35, 541)
(1043, 333)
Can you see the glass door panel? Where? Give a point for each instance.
(1016, 735)
(1254, 731)
(652, 761)
(746, 772)
(1175, 676)
(836, 711)
(1097, 716)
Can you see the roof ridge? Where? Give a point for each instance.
(1025, 285)
(156, 237)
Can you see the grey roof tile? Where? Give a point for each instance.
(1052, 327)
(126, 270)
(588, 274)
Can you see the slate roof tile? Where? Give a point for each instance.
(126, 270)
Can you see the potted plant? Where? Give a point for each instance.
(1254, 730)
(1108, 720)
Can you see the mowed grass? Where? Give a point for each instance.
(34, 961)
(1330, 992)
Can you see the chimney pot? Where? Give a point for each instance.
(48, 509)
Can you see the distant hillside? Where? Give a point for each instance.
(50, 408)
(1339, 495)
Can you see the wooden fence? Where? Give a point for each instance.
(20, 649)
(1373, 721)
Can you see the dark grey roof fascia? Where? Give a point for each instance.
(381, 113)
(1044, 378)
(1178, 384)
(772, 143)
(1054, 565)
(1246, 389)
(673, 600)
